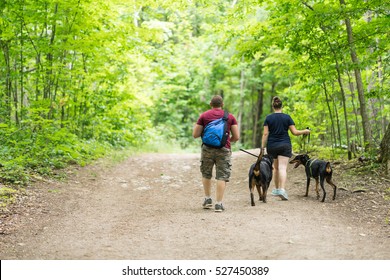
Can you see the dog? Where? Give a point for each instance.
(319, 170)
(260, 176)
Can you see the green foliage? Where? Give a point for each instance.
(25, 151)
(7, 196)
(76, 96)
(79, 78)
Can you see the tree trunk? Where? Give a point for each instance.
(50, 59)
(336, 113)
(242, 88)
(342, 91)
(385, 150)
(21, 67)
(333, 129)
(355, 112)
(6, 94)
(15, 97)
(257, 131)
(359, 84)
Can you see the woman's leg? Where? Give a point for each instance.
(282, 164)
(282, 172)
(276, 173)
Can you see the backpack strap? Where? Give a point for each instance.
(225, 119)
(226, 115)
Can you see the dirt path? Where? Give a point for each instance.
(149, 207)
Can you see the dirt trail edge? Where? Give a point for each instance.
(149, 207)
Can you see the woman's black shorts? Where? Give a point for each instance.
(284, 150)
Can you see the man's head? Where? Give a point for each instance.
(216, 101)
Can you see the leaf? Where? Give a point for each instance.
(359, 190)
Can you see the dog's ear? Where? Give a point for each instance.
(294, 156)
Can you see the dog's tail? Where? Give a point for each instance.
(328, 168)
(256, 170)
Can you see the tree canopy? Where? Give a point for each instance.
(80, 77)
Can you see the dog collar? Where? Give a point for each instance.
(311, 162)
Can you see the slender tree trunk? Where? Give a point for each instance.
(339, 79)
(382, 108)
(333, 134)
(342, 91)
(359, 84)
(257, 132)
(385, 150)
(383, 120)
(21, 69)
(374, 102)
(37, 76)
(242, 88)
(15, 97)
(50, 59)
(355, 111)
(273, 86)
(337, 122)
(7, 99)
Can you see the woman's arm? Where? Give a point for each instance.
(297, 132)
(264, 139)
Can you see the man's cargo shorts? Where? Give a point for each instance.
(221, 158)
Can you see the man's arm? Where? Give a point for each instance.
(235, 133)
(197, 132)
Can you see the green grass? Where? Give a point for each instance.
(7, 196)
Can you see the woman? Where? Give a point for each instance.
(278, 143)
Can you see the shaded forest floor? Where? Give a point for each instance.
(149, 207)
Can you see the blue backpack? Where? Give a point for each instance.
(215, 134)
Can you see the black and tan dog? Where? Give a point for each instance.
(319, 170)
(260, 176)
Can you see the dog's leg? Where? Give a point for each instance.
(307, 186)
(329, 181)
(317, 189)
(322, 179)
(252, 188)
(259, 190)
(265, 188)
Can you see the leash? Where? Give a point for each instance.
(308, 136)
(249, 153)
(308, 141)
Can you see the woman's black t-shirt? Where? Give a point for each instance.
(278, 126)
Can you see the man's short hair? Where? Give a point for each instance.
(216, 101)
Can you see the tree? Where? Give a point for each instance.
(359, 83)
(385, 150)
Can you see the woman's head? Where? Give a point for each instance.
(276, 103)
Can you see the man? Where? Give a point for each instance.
(220, 157)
